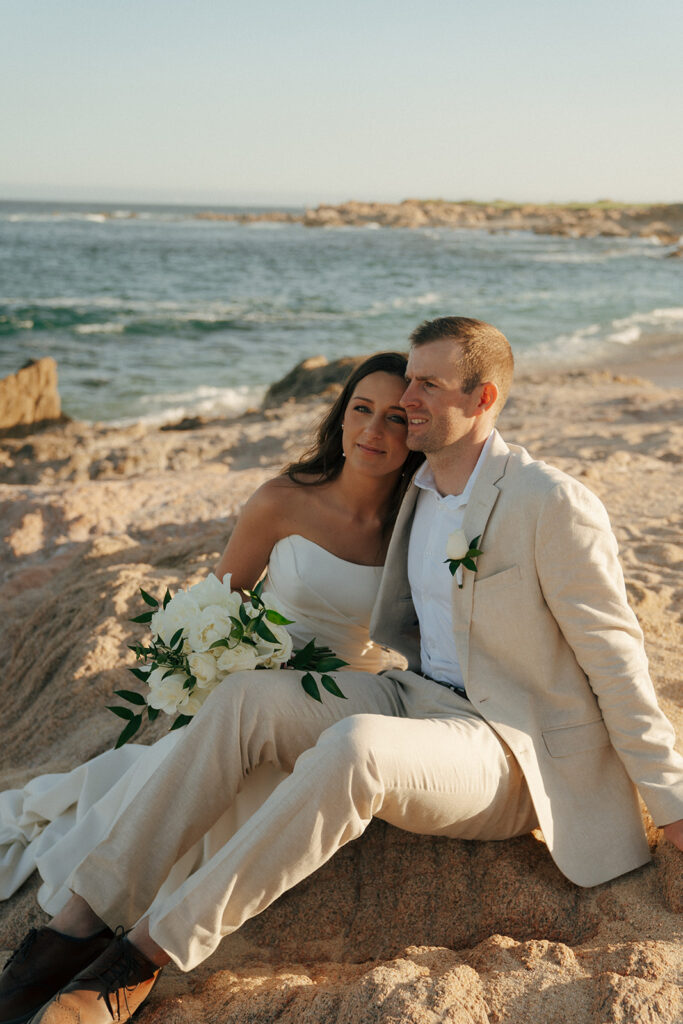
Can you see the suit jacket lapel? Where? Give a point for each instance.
(393, 621)
(479, 508)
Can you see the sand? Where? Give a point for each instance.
(89, 514)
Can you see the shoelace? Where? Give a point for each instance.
(21, 951)
(112, 979)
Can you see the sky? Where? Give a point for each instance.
(294, 102)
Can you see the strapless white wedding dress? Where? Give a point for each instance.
(55, 820)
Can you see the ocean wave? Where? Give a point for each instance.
(207, 402)
(81, 313)
(108, 328)
(642, 248)
(594, 341)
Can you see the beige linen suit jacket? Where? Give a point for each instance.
(552, 657)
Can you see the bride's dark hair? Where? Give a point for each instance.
(324, 459)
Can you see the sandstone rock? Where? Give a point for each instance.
(573, 220)
(29, 398)
(662, 232)
(313, 376)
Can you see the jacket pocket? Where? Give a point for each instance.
(499, 580)
(574, 739)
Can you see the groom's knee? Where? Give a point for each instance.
(352, 740)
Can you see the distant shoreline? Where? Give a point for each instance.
(604, 218)
(576, 220)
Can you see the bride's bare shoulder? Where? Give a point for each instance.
(277, 496)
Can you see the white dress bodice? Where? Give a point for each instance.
(327, 598)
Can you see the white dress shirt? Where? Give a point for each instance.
(431, 584)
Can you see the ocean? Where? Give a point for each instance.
(154, 314)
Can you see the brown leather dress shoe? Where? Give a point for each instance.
(44, 962)
(110, 989)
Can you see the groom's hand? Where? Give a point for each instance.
(674, 833)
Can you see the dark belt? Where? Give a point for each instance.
(460, 690)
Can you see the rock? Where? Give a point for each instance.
(391, 889)
(313, 376)
(662, 232)
(29, 398)
(621, 1000)
(575, 220)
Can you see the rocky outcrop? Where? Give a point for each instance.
(577, 220)
(313, 376)
(271, 216)
(29, 398)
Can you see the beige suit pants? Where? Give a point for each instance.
(400, 748)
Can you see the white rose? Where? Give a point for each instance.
(167, 694)
(177, 614)
(210, 624)
(271, 655)
(193, 701)
(211, 591)
(237, 659)
(203, 668)
(457, 545)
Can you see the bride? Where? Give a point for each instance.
(322, 529)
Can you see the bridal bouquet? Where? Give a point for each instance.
(201, 635)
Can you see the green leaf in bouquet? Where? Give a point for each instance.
(167, 598)
(180, 721)
(255, 595)
(245, 618)
(300, 657)
(277, 618)
(168, 672)
(223, 642)
(237, 631)
(469, 564)
(331, 687)
(176, 637)
(265, 633)
(189, 683)
(139, 673)
(131, 696)
(148, 599)
(248, 640)
(152, 713)
(329, 664)
(126, 713)
(311, 687)
(129, 731)
(146, 617)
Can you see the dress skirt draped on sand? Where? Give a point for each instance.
(55, 820)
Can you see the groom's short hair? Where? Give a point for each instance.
(485, 351)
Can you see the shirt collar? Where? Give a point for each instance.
(424, 479)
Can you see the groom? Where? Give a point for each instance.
(526, 702)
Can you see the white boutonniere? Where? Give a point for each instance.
(460, 551)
